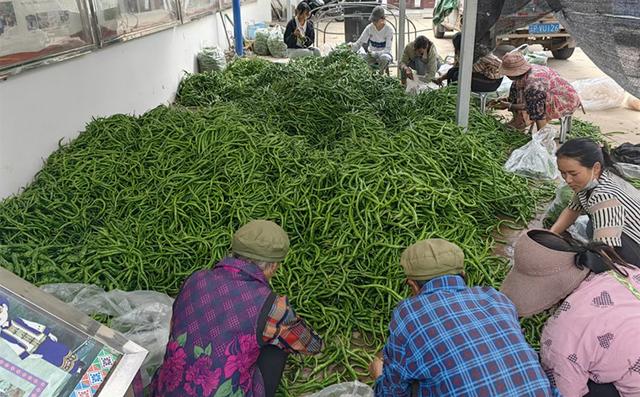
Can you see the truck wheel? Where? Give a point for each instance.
(438, 31)
(563, 53)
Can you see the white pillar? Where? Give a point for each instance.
(401, 30)
(466, 62)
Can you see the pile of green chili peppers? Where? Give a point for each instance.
(352, 168)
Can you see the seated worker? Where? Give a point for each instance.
(610, 201)
(452, 340)
(299, 33)
(538, 93)
(378, 39)
(589, 347)
(229, 330)
(486, 76)
(419, 55)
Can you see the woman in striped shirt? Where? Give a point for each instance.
(612, 204)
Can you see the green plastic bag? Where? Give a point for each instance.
(443, 9)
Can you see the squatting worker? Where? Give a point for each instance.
(537, 94)
(589, 346)
(612, 203)
(299, 34)
(452, 340)
(419, 55)
(229, 329)
(377, 37)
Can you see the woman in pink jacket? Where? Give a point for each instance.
(590, 346)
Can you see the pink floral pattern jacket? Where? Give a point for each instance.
(213, 346)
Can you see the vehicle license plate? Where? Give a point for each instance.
(542, 28)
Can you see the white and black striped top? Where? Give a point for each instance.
(614, 208)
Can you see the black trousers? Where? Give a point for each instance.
(479, 83)
(271, 362)
(630, 250)
(601, 390)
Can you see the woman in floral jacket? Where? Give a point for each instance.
(230, 334)
(538, 93)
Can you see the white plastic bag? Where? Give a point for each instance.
(260, 45)
(276, 44)
(580, 229)
(533, 57)
(347, 389)
(600, 93)
(326, 49)
(536, 58)
(141, 316)
(444, 68)
(502, 91)
(631, 102)
(297, 53)
(629, 171)
(416, 85)
(211, 59)
(505, 87)
(536, 159)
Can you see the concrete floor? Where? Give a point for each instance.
(621, 124)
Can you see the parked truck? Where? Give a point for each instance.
(545, 30)
(532, 24)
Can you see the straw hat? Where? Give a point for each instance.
(540, 276)
(514, 64)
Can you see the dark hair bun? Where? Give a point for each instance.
(592, 261)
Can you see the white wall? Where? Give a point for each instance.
(41, 106)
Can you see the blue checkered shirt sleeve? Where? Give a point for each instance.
(393, 382)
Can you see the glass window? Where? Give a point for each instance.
(122, 19)
(35, 30)
(192, 9)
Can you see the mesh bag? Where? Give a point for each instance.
(608, 31)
